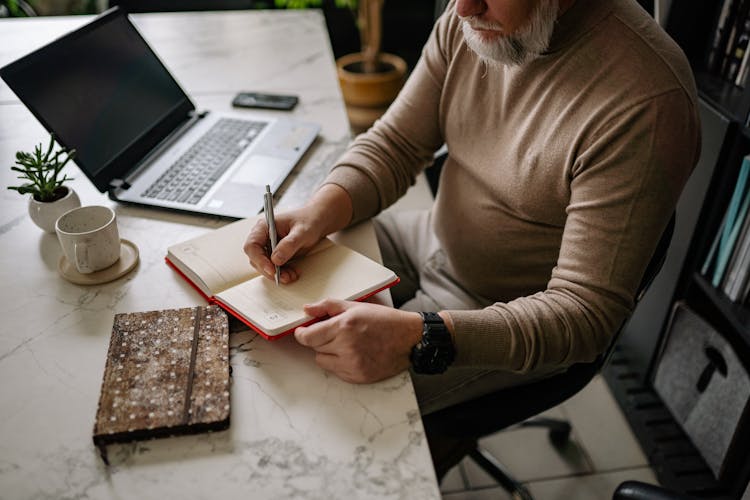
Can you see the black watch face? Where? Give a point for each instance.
(430, 359)
(435, 352)
(439, 360)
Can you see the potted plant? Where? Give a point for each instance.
(370, 79)
(16, 8)
(50, 198)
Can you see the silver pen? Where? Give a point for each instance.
(271, 221)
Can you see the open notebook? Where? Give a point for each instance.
(218, 268)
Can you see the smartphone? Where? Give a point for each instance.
(265, 101)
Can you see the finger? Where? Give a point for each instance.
(323, 332)
(316, 335)
(289, 274)
(257, 238)
(255, 248)
(326, 307)
(291, 244)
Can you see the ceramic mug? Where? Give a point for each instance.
(89, 237)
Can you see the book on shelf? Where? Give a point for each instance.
(726, 237)
(167, 373)
(744, 71)
(742, 57)
(708, 264)
(737, 56)
(738, 269)
(215, 264)
(732, 51)
(736, 214)
(727, 15)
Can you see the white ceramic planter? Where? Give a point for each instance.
(45, 214)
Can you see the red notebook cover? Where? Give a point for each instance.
(214, 300)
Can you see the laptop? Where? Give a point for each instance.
(102, 91)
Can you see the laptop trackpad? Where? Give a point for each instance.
(237, 200)
(260, 170)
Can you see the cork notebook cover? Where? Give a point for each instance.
(167, 373)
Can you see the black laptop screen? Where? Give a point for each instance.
(101, 90)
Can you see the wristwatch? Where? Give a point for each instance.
(435, 352)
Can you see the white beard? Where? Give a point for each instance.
(516, 49)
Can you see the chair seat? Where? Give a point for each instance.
(495, 411)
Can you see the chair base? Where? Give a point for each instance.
(491, 466)
(559, 430)
(559, 435)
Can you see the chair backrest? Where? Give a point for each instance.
(649, 275)
(657, 259)
(495, 411)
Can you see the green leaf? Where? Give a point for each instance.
(42, 169)
(297, 4)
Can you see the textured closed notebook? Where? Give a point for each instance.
(167, 373)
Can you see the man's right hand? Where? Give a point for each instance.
(329, 210)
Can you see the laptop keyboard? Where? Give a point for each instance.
(192, 175)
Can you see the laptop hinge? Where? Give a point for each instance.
(118, 184)
(194, 118)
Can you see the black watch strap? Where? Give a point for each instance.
(431, 317)
(434, 353)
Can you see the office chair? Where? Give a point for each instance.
(465, 423)
(636, 490)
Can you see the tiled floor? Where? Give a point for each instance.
(602, 453)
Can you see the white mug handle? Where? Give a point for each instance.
(81, 250)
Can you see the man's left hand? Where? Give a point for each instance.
(360, 342)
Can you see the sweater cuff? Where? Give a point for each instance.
(481, 341)
(361, 189)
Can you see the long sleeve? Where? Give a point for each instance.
(561, 176)
(622, 194)
(382, 163)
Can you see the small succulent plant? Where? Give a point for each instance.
(42, 171)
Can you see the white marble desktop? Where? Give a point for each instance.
(296, 431)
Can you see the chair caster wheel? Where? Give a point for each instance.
(560, 436)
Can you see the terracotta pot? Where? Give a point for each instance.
(45, 213)
(368, 95)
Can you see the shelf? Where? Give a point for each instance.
(674, 459)
(723, 95)
(737, 315)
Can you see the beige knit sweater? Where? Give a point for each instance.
(561, 176)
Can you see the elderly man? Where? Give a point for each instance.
(571, 127)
